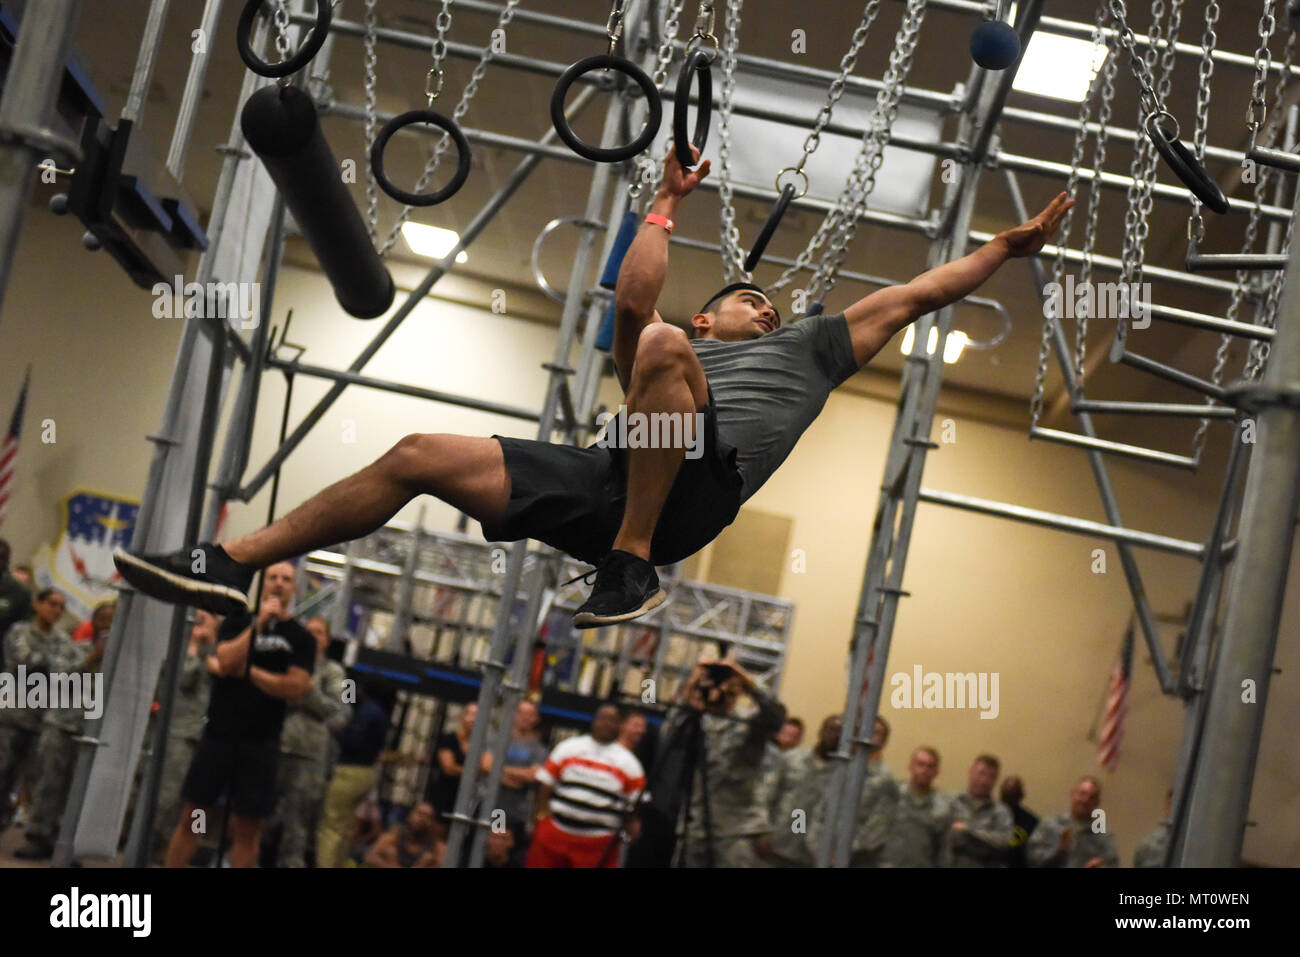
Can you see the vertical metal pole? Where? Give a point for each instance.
(1243, 665)
(145, 60)
(180, 144)
(496, 688)
(30, 91)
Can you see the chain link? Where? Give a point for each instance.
(1257, 111)
(643, 177)
(1205, 73)
(462, 106)
(733, 258)
(371, 60)
(433, 81)
(281, 19)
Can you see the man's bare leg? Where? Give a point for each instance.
(466, 473)
(666, 377)
(180, 851)
(245, 835)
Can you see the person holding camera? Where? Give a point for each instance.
(731, 828)
(260, 665)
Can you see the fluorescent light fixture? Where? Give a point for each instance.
(432, 241)
(1059, 67)
(952, 346)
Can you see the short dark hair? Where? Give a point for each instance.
(45, 593)
(989, 760)
(928, 750)
(880, 720)
(797, 722)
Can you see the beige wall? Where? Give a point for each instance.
(986, 595)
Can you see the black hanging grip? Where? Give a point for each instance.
(315, 40)
(769, 227)
(412, 118)
(699, 64)
(630, 70)
(1185, 166)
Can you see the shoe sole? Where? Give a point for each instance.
(586, 619)
(169, 587)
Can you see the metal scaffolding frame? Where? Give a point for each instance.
(1215, 773)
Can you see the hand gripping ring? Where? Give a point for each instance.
(316, 39)
(411, 118)
(1183, 163)
(697, 64)
(769, 227)
(605, 61)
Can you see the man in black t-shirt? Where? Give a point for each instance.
(259, 666)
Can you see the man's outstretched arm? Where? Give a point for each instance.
(641, 277)
(875, 319)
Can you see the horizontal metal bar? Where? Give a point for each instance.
(1278, 159)
(1065, 523)
(1113, 448)
(1070, 125)
(1189, 411)
(1236, 261)
(1029, 164)
(1112, 264)
(355, 378)
(1198, 320)
(1177, 376)
(581, 27)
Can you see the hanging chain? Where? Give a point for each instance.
(1209, 40)
(1062, 241)
(462, 106)
(733, 258)
(1140, 66)
(281, 19)
(614, 25)
(371, 60)
(433, 81)
(1257, 111)
(858, 190)
(646, 166)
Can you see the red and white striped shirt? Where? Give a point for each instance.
(595, 785)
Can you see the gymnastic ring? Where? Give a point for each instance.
(697, 64)
(411, 118)
(616, 154)
(315, 40)
(1183, 163)
(769, 227)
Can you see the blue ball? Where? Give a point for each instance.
(995, 45)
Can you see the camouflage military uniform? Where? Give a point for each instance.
(798, 784)
(987, 837)
(875, 816)
(26, 645)
(736, 748)
(920, 824)
(1151, 852)
(56, 751)
(189, 708)
(304, 749)
(1086, 844)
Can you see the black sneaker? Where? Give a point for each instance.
(626, 587)
(35, 850)
(221, 587)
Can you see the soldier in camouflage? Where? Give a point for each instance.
(878, 805)
(736, 742)
(922, 819)
(980, 832)
(1151, 852)
(189, 709)
(304, 750)
(799, 781)
(61, 724)
(27, 645)
(1072, 840)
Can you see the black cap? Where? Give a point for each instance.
(736, 287)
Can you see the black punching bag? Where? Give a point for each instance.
(281, 126)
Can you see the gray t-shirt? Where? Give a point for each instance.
(768, 390)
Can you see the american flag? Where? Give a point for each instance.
(9, 450)
(1112, 725)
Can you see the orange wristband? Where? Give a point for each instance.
(657, 220)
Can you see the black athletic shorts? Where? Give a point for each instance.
(243, 769)
(573, 499)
